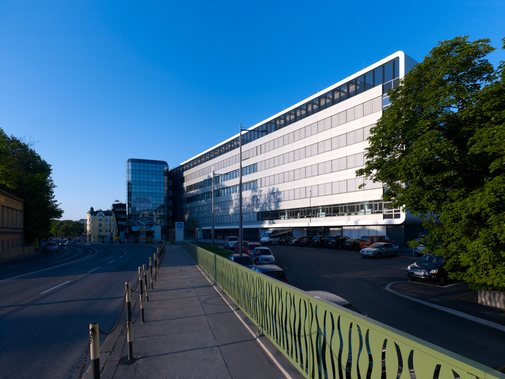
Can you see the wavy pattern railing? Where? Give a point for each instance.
(324, 340)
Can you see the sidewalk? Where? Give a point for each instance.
(191, 332)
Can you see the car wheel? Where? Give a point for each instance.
(395, 253)
(379, 255)
(441, 281)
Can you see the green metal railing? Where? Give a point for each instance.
(324, 340)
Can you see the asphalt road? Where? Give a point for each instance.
(49, 299)
(363, 281)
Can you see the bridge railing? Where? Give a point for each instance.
(325, 340)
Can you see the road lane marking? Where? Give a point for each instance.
(111, 262)
(93, 270)
(448, 310)
(50, 268)
(59, 285)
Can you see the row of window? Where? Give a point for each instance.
(251, 169)
(334, 210)
(351, 114)
(7, 242)
(383, 74)
(10, 218)
(223, 192)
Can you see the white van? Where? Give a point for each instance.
(273, 236)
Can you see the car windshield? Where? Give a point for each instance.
(376, 246)
(232, 239)
(432, 259)
(264, 252)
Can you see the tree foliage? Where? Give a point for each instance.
(66, 228)
(439, 149)
(25, 174)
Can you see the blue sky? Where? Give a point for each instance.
(94, 83)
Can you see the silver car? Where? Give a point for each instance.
(263, 255)
(229, 242)
(380, 249)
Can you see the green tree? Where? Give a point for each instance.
(439, 150)
(25, 174)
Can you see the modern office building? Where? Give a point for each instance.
(147, 199)
(299, 168)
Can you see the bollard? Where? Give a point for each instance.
(95, 350)
(151, 272)
(145, 281)
(141, 295)
(155, 263)
(129, 321)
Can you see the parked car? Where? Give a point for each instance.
(304, 241)
(335, 242)
(295, 241)
(244, 251)
(380, 249)
(229, 242)
(318, 241)
(263, 255)
(334, 299)
(272, 271)
(285, 240)
(244, 260)
(62, 243)
(52, 246)
(366, 241)
(351, 244)
(430, 268)
(250, 246)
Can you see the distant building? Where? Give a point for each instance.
(147, 195)
(100, 226)
(119, 218)
(11, 227)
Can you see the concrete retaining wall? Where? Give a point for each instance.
(492, 298)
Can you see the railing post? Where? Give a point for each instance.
(141, 295)
(129, 321)
(145, 281)
(151, 272)
(95, 350)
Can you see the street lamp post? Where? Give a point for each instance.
(213, 206)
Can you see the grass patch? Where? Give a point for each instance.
(216, 250)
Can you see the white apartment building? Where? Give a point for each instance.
(298, 168)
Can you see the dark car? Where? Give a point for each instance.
(272, 271)
(52, 246)
(285, 240)
(335, 242)
(295, 241)
(318, 241)
(304, 241)
(244, 260)
(351, 244)
(430, 268)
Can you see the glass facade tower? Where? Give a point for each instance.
(147, 199)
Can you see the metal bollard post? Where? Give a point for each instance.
(145, 281)
(129, 321)
(141, 295)
(95, 350)
(155, 265)
(151, 272)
